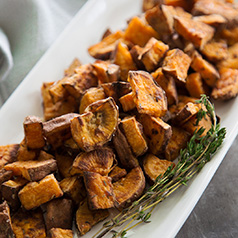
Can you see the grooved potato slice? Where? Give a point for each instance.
(148, 97)
(96, 126)
(129, 188)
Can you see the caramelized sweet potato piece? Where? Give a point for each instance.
(139, 31)
(98, 161)
(73, 188)
(10, 189)
(133, 132)
(197, 32)
(153, 167)
(99, 190)
(148, 97)
(129, 188)
(106, 71)
(71, 69)
(28, 224)
(61, 233)
(96, 126)
(184, 4)
(176, 63)
(24, 153)
(90, 96)
(177, 142)
(230, 35)
(127, 102)
(32, 170)
(117, 173)
(227, 86)
(6, 229)
(59, 214)
(64, 163)
(148, 4)
(35, 194)
(44, 156)
(123, 58)
(157, 132)
(212, 19)
(86, 218)
(207, 70)
(167, 83)
(5, 175)
(8, 154)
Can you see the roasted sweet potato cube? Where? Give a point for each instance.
(35, 194)
(184, 4)
(148, 97)
(153, 167)
(133, 131)
(129, 188)
(61, 233)
(227, 86)
(6, 229)
(195, 86)
(106, 71)
(232, 60)
(212, 19)
(122, 57)
(90, 96)
(44, 156)
(86, 218)
(135, 52)
(5, 175)
(10, 189)
(59, 214)
(178, 141)
(167, 83)
(197, 32)
(96, 126)
(127, 102)
(207, 70)
(117, 173)
(29, 224)
(33, 128)
(157, 133)
(123, 149)
(99, 190)
(71, 69)
(98, 161)
(148, 4)
(24, 154)
(176, 63)
(73, 187)
(152, 54)
(64, 163)
(104, 48)
(32, 170)
(230, 35)
(8, 154)
(57, 130)
(139, 31)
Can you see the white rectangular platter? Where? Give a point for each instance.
(84, 30)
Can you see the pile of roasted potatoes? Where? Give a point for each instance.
(112, 126)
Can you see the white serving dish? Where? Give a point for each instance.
(84, 30)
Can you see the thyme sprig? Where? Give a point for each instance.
(191, 160)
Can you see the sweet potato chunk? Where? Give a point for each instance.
(139, 31)
(230, 35)
(86, 219)
(177, 142)
(197, 32)
(167, 83)
(127, 102)
(207, 70)
(32, 170)
(99, 190)
(24, 153)
(148, 4)
(28, 224)
(6, 229)
(176, 64)
(64, 163)
(59, 214)
(61, 233)
(157, 132)
(5, 175)
(8, 154)
(129, 188)
(117, 173)
(153, 167)
(96, 126)
(134, 135)
(212, 19)
(98, 161)
(227, 86)
(106, 71)
(10, 189)
(90, 96)
(148, 97)
(36, 193)
(71, 69)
